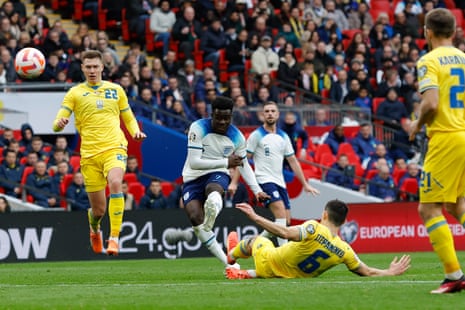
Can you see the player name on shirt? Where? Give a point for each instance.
(451, 60)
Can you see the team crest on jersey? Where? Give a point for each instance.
(227, 150)
(311, 229)
(99, 104)
(349, 231)
(422, 72)
(192, 137)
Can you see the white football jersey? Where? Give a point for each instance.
(214, 147)
(269, 150)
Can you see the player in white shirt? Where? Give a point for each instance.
(269, 146)
(214, 145)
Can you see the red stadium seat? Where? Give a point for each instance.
(458, 16)
(137, 189)
(130, 177)
(65, 183)
(27, 171)
(167, 188)
(371, 174)
(398, 174)
(75, 162)
(320, 150)
(376, 102)
(410, 186)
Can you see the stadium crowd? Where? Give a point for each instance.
(350, 53)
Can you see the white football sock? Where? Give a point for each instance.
(281, 222)
(217, 200)
(208, 239)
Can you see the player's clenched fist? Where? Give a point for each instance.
(234, 161)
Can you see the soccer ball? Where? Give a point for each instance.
(29, 63)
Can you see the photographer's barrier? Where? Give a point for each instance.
(64, 236)
(392, 227)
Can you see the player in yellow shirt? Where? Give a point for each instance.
(314, 248)
(441, 77)
(97, 107)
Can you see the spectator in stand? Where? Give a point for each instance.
(380, 154)
(316, 12)
(342, 173)
(5, 30)
(136, 13)
(378, 34)
(4, 205)
(37, 146)
(335, 138)
(10, 174)
(13, 146)
(40, 186)
(263, 95)
(364, 143)
(6, 137)
(391, 81)
(26, 136)
(308, 80)
(58, 156)
(62, 169)
(401, 146)
(211, 93)
(211, 41)
(34, 30)
(52, 43)
(103, 46)
(74, 72)
(264, 59)
(382, 185)
(51, 69)
(363, 101)
(77, 194)
(296, 134)
(132, 166)
(8, 65)
(31, 159)
(129, 201)
(186, 30)
(340, 88)
(170, 64)
(392, 111)
(144, 105)
(320, 118)
(322, 58)
(409, 92)
(200, 89)
(338, 15)
(188, 77)
(413, 172)
(64, 39)
(153, 198)
(162, 21)
(360, 17)
(234, 83)
(265, 80)
(200, 110)
(238, 52)
(181, 117)
(173, 90)
(288, 71)
(41, 12)
(241, 116)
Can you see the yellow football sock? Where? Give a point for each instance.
(93, 222)
(443, 244)
(240, 251)
(115, 211)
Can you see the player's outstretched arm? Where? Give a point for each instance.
(397, 267)
(295, 166)
(291, 233)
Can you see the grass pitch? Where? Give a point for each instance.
(200, 284)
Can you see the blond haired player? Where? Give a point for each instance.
(97, 107)
(314, 248)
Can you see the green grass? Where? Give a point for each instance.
(200, 284)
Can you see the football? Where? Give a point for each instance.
(29, 63)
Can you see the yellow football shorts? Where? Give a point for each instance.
(95, 169)
(443, 174)
(261, 249)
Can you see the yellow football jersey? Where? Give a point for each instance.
(318, 251)
(444, 68)
(97, 112)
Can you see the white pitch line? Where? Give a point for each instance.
(232, 282)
